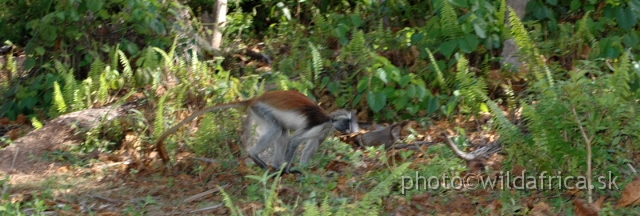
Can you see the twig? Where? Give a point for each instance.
(588, 142)
(208, 208)
(412, 145)
(456, 150)
(15, 156)
(106, 199)
(632, 169)
(200, 195)
(208, 160)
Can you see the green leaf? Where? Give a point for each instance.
(635, 5)
(157, 27)
(401, 101)
(30, 102)
(412, 109)
(39, 50)
(417, 37)
(340, 31)
(468, 43)
(324, 82)
(382, 75)
(376, 100)
(448, 47)
(363, 84)
(484, 108)
(356, 21)
(626, 18)
(73, 15)
(60, 15)
(433, 103)
(421, 91)
(404, 80)
(333, 87)
(575, 5)
(356, 100)
(95, 5)
(411, 91)
(480, 30)
(630, 40)
(29, 63)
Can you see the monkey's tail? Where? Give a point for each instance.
(160, 143)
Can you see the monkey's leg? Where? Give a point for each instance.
(310, 149)
(315, 133)
(279, 149)
(272, 132)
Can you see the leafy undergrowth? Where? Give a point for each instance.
(341, 179)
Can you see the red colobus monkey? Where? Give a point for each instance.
(277, 113)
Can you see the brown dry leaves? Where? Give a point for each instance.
(630, 194)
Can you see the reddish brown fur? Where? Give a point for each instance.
(293, 100)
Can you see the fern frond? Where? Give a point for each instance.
(150, 58)
(502, 11)
(319, 21)
(78, 99)
(343, 211)
(620, 79)
(97, 68)
(441, 80)
(583, 28)
(511, 98)
(182, 92)
(158, 123)
(528, 52)
(172, 49)
(86, 86)
(316, 62)
(127, 72)
(194, 62)
(36, 123)
(70, 86)
(113, 54)
(507, 130)
(103, 89)
(310, 209)
(58, 99)
(228, 202)
(473, 89)
(271, 199)
(356, 48)
(167, 60)
(156, 79)
(325, 208)
(449, 21)
(59, 67)
(372, 201)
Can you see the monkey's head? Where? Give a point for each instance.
(341, 120)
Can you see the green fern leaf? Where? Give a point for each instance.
(127, 72)
(58, 99)
(316, 60)
(36, 123)
(103, 89)
(449, 22)
(158, 124)
(441, 80)
(620, 79)
(228, 202)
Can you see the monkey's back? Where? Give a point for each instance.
(294, 101)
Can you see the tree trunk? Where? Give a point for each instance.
(220, 11)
